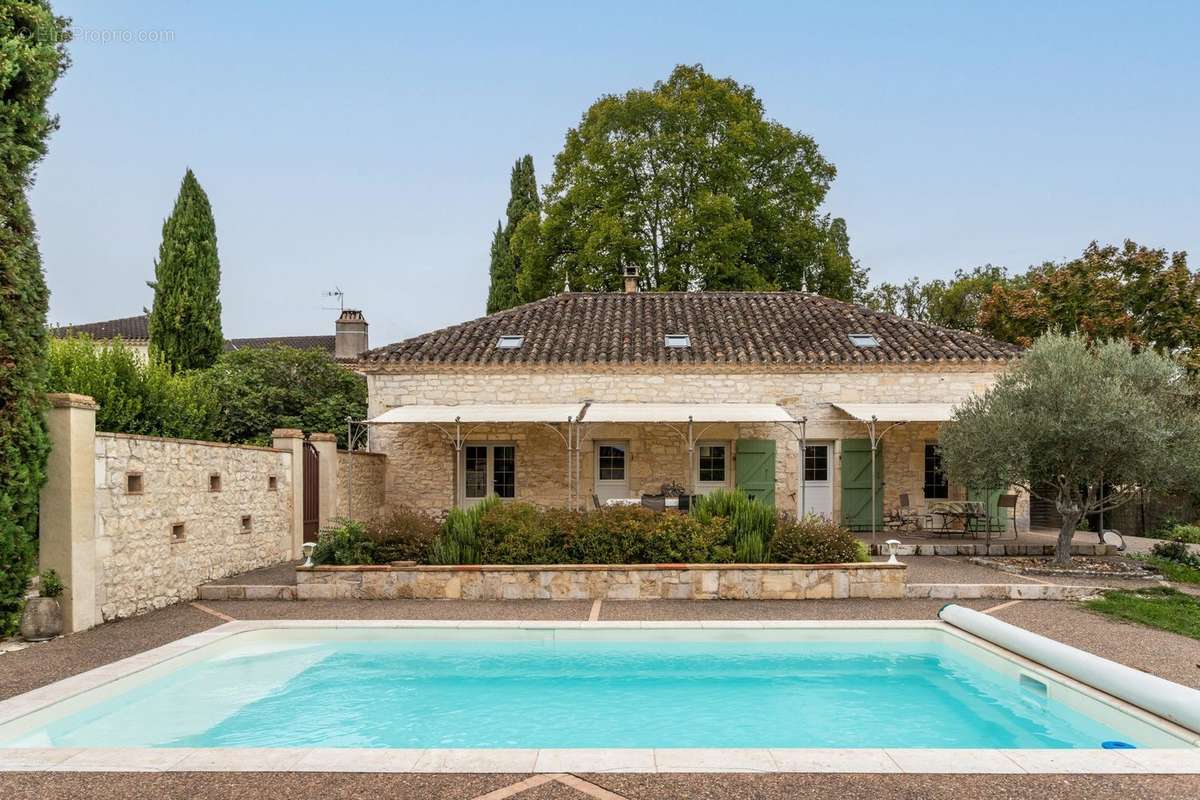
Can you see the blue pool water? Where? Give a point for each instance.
(539, 694)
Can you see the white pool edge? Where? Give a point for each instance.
(1185, 760)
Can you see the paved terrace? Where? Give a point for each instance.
(1168, 655)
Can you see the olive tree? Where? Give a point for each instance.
(1071, 418)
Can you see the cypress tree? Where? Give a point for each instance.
(185, 320)
(505, 264)
(33, 55)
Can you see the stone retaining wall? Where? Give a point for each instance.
(604, 582)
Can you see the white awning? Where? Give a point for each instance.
(899, 412)
(682, 412)
(480, 413)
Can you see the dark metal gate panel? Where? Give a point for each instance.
(312, 492)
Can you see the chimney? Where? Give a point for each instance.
(350, 338)
(631, 279)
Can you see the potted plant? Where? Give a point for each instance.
(43, 615)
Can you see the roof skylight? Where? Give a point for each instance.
(863, 340)
(678, 340)
(510, 342)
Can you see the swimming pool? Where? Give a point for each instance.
(528, 687)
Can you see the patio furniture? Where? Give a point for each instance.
(596, 502)
(907, 517)
(654, 502)
(963, 513)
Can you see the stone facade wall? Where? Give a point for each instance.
(421, 465)
(140, 564)
(605, 582)
(366, 494)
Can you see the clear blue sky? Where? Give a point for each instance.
(368, 145)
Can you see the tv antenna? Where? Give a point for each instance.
(340, 295)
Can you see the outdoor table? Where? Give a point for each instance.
(962, 511)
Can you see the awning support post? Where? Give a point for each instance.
(802, 440)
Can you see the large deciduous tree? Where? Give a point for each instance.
(185, 320)
(523, 201)
(32, 57)
(1073, 417)
(1130, 292)
(690, 182)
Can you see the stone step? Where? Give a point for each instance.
(234, 591)
(994, 549)
(999, 591)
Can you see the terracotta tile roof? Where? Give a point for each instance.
(753, 328)
(137, 329)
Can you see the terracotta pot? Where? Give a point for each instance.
(42, 619)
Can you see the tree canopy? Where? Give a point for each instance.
(259, 390)
(690, 182)
(952, 304)
(1130, 292)
(185, 320)
(1072, 417)
(505, 264)
(32, 57)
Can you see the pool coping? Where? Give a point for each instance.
(1184, 760)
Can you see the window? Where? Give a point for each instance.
(611, 461)
(489, 470)
(816, 462)
(510, 342)
(936, 486)
(863, 340)
(678, 340)
(178, 534)
(272, 483)
(133, 483)
(214, 482)
(247, 523)
(712, 463)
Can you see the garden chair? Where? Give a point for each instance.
(596, 502)
(1009, 501)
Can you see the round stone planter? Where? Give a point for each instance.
(42, 619)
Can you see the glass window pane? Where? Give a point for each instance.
(936, 485)
(504, 471)
(612, 462)
(475, 470)
(712, 463)
(816, 462)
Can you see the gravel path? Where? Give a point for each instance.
(279, 575)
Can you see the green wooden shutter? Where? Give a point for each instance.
(999, 516)
(856, 485)
(755, 469)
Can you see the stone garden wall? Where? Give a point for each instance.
(604, 582)
(361, 492)
(172, 514)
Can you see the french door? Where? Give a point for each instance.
(487, 470)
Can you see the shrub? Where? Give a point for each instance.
(134, 395)
(1185, 533)
(344, 544)
(459, 540)
(749, 524)
(1176, 551)
(614, 535)
(680, 539)
(520, 533)
(815, 540)
(51, 584)
(402, 535)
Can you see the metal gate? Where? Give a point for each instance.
(312, 492)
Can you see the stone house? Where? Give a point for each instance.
(585, 398)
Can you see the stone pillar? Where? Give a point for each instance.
(292, 440)
(67, 513)
(326, 444)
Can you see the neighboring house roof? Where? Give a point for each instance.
(751, 328)
(137, 329)
(131, 329)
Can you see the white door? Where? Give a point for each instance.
(612, 470)
(712, 466)
(818, 480)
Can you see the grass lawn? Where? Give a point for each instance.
(1162, 608)
(1171, 570)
